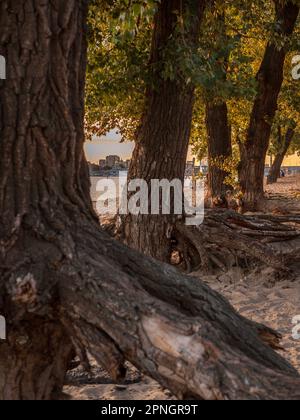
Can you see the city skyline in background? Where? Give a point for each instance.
(100, 147)
(110, 144)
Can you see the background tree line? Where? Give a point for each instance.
(236, 69)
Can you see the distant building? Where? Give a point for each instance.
(102, 163)
(112, 161)
(112, 165)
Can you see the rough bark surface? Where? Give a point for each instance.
(63, 280)
(219, 151)
(217, 124)
(34, 359)
(163, 137)
(43, 184)
(269, 78)
(285, 145)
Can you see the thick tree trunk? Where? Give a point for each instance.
(163, 137)
(269, 78)
(276, 166)
(219, 151)
(43, 184)
(63, 280)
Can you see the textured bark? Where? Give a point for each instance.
(269, 78)
(217, 124)
(63, 280)
(43, 184)
(34, 359)
(285, 143)
(163, 137)
(219, 151)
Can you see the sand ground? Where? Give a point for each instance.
(257, 295)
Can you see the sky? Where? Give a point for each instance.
(100, 147)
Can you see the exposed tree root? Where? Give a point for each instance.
(118, 305)
(227, 238)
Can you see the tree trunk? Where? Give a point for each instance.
(63, 280)
(276, 166)
(217, 125)
(163, 137)
(43, 185)
(269, 78)
(219, 151)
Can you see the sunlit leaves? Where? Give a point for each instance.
(117, 68)
(223, 66)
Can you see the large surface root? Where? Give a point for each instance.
(172, 327)
(119, 305)
(226, 239)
